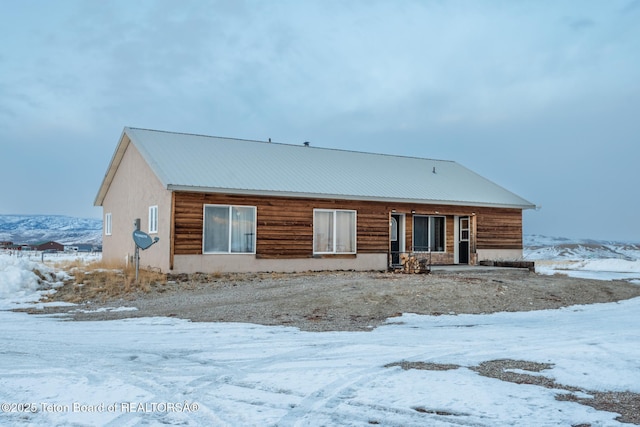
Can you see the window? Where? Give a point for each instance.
(334, 231)
(428, 233)
(394, 230)
(229, 229)
(153, 219)
(107, 224)
(464, 229)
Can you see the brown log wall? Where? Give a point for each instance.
(499, 228)
(285, 225)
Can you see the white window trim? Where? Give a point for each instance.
(444, 243)
(153, 219)
(228, 252)
(335, 219)
(107, 224)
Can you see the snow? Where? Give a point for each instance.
(167, 371)
(38, 228)
(599, 269)
(588, 259)
(19, 282)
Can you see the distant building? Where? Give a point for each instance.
(5, 244)
(47, 246)
(85, 247)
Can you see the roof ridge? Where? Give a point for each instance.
(291, 145)
(198, 134)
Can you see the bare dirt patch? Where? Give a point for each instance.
(338, 300)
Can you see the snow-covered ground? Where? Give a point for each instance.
(166, 371)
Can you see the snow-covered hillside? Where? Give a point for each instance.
(537, 247)
(62, 229)
(592, 259)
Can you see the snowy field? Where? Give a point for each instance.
(584, 258)
(166, 371)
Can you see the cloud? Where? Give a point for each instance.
(632, 6)
(478, 82)
(580, 24)
(311, 61)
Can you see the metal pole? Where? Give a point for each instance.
(137, 255)
(136, 225)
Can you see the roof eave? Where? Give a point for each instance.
(113, 167)
(271, 193)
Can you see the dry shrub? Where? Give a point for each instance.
(216, 275)
(147, 279)
(99, 281)
(41, 276)
(70, 265)
(78, 277)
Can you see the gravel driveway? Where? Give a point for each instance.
(353, 300)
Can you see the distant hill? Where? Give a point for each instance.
(62, 229)
(538, 247)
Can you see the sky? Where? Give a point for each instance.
(541, 97)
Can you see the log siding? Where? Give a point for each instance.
(285, 225)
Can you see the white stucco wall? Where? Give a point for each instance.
(248, 263)
(133, 190)
(499, 254)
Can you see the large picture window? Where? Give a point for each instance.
(229, 229)
(334, 231)
(428, 233)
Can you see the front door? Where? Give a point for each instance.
(463, 245)
(394, 237)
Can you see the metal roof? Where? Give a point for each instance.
(214, 164)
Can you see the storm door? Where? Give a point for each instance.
(396, 238)
(463, 245)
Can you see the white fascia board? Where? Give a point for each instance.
(116, 158)
(196, 189)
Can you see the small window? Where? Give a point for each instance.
(394, 229)
(153, 219)
(107, 224)
(464, 229)
(428, 233)
(334, 231)
(229, 229)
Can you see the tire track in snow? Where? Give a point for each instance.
(175, 366)
(326, 399)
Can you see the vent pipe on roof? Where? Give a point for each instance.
(306, 143)
(269, 139)
(434, 169)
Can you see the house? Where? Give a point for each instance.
(80, 247)
(231, 205)
(47, 246)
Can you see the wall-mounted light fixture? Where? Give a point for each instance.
(393, 211)
(413, 211)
